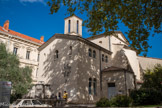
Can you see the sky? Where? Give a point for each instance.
(33, 18)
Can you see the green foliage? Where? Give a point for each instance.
(151, 89)
(153, 78)
(140, 16)
(121, 101)
(117, 101)
(10, 71)
(149, 94)
(103, 102)
(146, 97)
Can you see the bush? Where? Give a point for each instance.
(117, 101)
(121, 101)
(103, 102)
(146, 96)
(14, 97)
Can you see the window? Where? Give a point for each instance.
(56, 54)
(70, 53)
(106, 59)
(27, 54)
(69, 26)
(94, 54)
(15, 51)
(90, 85)
(36, 102)
(27, 102)
(90, 52)
(111, 84)
(94, 86)
(38, 57)
(103, 57)
(77, 26)
(100, 42)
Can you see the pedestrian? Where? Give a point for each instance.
(59, 99)
(52, 96)
(53, 101)
(65, 96)
(59, 95)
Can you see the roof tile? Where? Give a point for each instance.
(21, 35)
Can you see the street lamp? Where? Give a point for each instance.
(67, 71)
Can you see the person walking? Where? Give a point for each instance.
(59, 99)
(65, 96)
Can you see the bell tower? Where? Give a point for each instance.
(73, 25)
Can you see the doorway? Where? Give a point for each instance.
(111, 90)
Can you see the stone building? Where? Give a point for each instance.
(88, 69)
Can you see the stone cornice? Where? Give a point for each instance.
(73, 37)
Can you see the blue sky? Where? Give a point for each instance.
(33, 18)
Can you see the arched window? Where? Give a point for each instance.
(77, 26)
(56, 56)
(90, 52)
(70, 53)
(106, 59)
(69, 26)
(94, 86)
(102, 57)
(94, 54)
(90, 86)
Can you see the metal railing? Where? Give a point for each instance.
(53, 102)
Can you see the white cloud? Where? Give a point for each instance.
(33, 1)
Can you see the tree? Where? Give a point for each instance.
(10, 71)
(153, 78)
(151, 89)
(140, 16)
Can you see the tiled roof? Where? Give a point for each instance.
(21, 35)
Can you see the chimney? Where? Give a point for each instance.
(42, 39)
(6, 25)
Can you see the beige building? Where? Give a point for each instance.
(23, 46)
(88, 69)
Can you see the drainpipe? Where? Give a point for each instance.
(100, 72)
(109, 43)
(125, 81)
(135, 84)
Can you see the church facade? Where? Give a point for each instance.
(88, 69)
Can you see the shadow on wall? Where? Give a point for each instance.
(82, 67)
(120, 60)
(116, 77)
(72, 80)
(55, 68)
(89, 67)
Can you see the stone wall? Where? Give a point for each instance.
(52, 70)
(124, 81)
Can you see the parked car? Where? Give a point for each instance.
(21, 103)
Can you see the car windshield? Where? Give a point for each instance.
(27, 102)
(16, 102)
(36, 102)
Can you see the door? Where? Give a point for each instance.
(111, 90)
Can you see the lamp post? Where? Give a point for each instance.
(66, 72)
